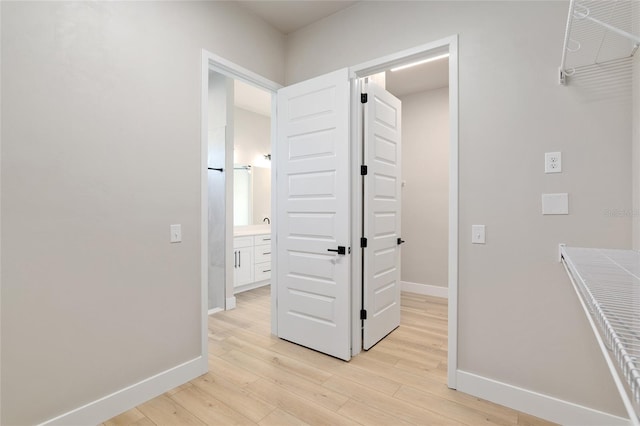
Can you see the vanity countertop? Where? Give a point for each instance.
(241, 231)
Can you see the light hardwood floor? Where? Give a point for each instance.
(255, 378)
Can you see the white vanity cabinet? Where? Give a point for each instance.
(262, 257)
(242, 261)
(251, 261)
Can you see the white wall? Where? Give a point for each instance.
(425, 196)
(252, 138)
(519, 319)
(100, 154)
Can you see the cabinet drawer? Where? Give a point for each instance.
(262, 271)
(239, 242)
(262, 239)
(262, 253)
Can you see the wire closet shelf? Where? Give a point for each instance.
(599, 33)
(608, 285)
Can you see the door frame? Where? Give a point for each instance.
(213, 62)
(368, 68)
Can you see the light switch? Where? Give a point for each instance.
(176, 233)
(477, 234)
(555, 203)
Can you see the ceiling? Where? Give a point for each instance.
(288, 15)
(429, 76)
(251, 98)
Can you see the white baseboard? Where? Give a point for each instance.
(214, 310)
(120, 401)
(536, 404)
(251, 286)
(426, 289)
(230, 303)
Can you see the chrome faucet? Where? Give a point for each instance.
(266, 219)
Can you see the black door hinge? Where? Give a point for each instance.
(363, 170)
(363, 98)
(363, 242)
(400, 241)
(363, 314)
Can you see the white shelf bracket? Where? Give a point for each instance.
(562, 77)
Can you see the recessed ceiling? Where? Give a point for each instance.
(288, 16)
(429, 76)
(251, 98)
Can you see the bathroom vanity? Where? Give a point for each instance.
(251, 257)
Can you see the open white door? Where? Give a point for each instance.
(313, 215)
(382, 203)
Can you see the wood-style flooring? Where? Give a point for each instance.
(255, 378)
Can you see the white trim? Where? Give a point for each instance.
(425, 289)
(534, 403)
(230, 303)
(251, 286)
(274, 208)
(356, 218)
(228, 68)
(452, 350)
(379, 65)
(402, 57)
(204, 209)
(214, 311)
(111, 405)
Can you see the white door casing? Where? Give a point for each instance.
(381, 211)
(313, 214)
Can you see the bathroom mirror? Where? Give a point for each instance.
(242, 195)
(251, 195)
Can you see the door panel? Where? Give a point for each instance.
(313, 180)
(382, 203)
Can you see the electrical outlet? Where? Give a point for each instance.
(553, 162)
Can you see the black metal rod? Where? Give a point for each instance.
(218, 170)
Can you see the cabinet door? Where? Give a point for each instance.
(243, 262)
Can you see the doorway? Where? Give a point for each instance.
(420, 90)
(236, 143)
(382, 65)
(251, 188)
(239, 134)
(363, 70)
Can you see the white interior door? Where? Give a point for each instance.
(313, 215)
(382, 203)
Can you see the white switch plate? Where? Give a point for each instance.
(176, 233)
(477, 234)
(555, 203)
(553, 162)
